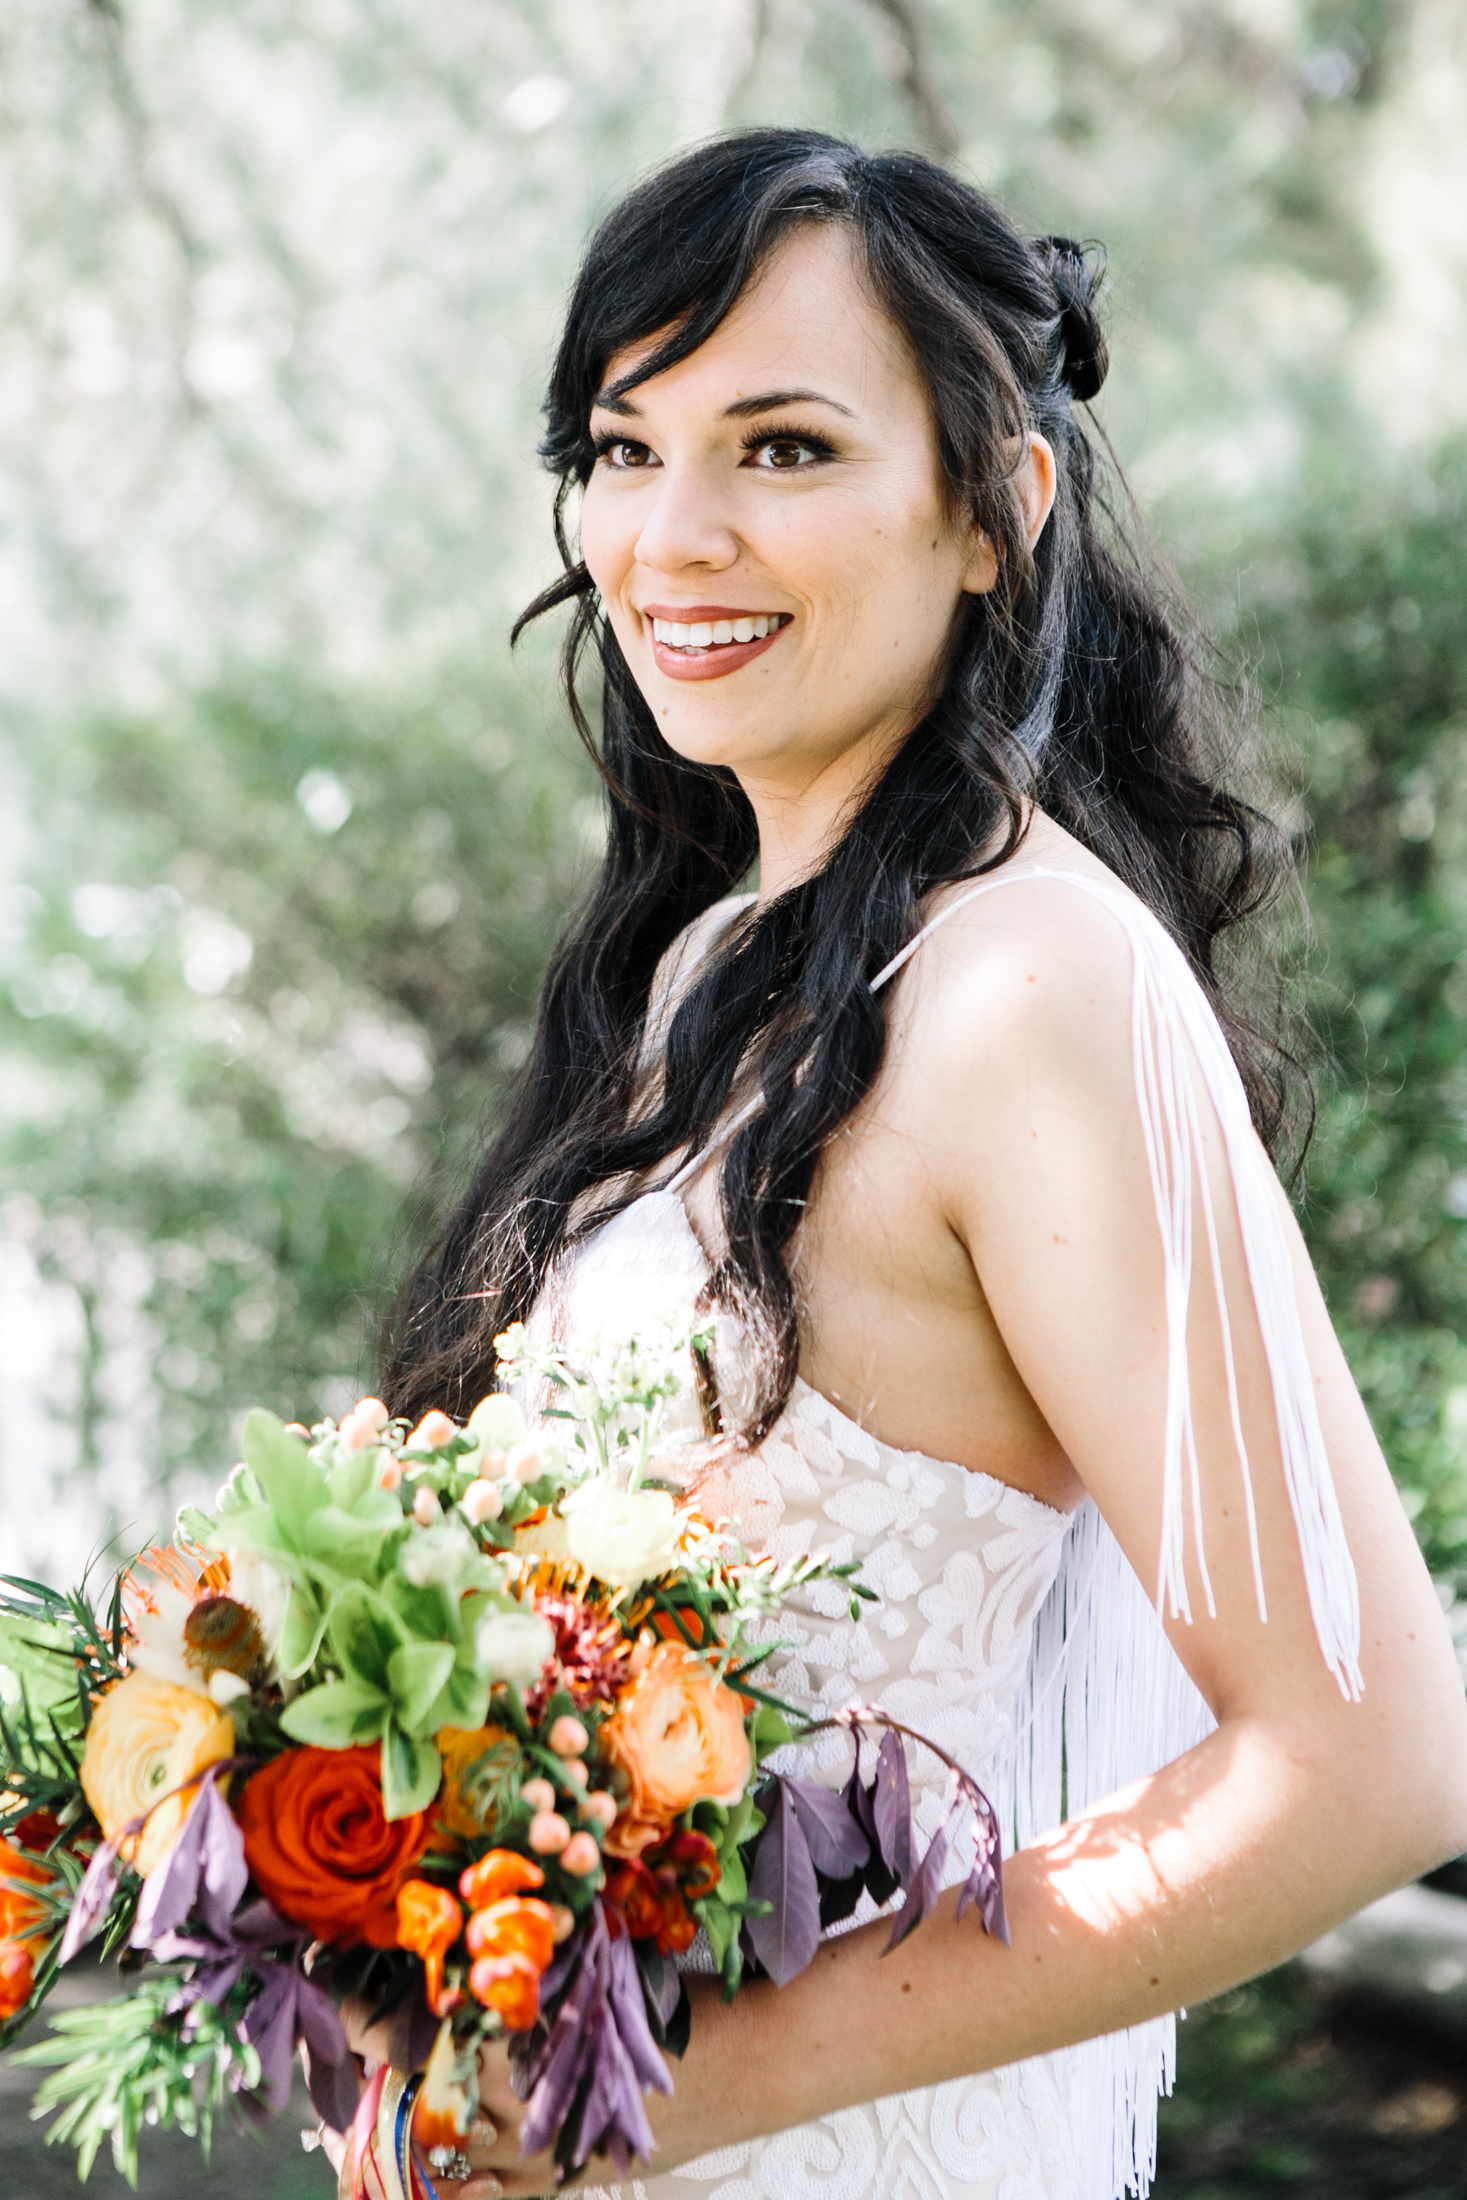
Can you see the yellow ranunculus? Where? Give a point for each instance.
(146, 1738)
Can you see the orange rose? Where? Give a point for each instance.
(320, 1846)
(678, 1734)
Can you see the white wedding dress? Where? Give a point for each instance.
(1014, 1635)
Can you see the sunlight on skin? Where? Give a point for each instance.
(836, 519)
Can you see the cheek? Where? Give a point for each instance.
(608, 537)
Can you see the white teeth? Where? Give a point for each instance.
(708, 634)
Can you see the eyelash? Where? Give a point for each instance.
(756, 439)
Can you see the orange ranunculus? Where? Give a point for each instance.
(460, 1747)
(146, 1738)
(498, 1872)
(514, 1926)
(510, 1986)
(429, 1921)
(678, 1734)
(321, 1847)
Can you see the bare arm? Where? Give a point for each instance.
(1302, 1806)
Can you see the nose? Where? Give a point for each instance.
(685, 527)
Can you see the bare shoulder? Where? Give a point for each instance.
(1035, 967)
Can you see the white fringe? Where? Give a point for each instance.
(1106, 1700)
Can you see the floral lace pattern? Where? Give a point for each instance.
(961, 1563)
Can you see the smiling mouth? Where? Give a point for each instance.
(705, 637)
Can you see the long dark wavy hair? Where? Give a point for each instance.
(1069, 683)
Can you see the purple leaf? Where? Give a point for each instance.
(208, 1850)
(786, 1936)
(859, 1801)
(334, 2086)
(891, 1804)
(660, 1979)
(837, 1845)
(625, 1999)
(268, 2025)
(586, 2082)
(92, 1901)
(411, 2030)
(984, 1883)
(921, 1896)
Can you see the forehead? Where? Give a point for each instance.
(808, 321)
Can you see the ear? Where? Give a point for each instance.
(1034, 483)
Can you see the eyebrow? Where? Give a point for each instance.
(744, 408)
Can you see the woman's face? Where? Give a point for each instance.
(765, 523)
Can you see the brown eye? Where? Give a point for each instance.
(628, 456)
(785, 454)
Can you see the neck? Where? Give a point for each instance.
(801, 817)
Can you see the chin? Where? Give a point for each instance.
(717, 738)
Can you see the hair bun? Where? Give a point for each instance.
(1085, 354)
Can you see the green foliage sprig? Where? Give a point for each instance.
(135, 2062)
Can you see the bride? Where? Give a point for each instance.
(957, 1128)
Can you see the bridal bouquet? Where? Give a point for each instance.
(461, 1721)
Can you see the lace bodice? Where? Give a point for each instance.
(960, 1562)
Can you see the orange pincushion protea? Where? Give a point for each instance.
(514, 1926)
(498, 1872)
(429, 1921)
(510, 1986)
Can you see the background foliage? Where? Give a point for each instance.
(286, 833)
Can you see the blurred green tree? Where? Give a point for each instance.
(1362, 611)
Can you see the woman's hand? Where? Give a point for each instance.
(687, 2123)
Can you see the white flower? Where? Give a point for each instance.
(512, 1646)
(622, 1536)
(254, 1582)
(546, 1539)
(160, 1650)
(441, 1553)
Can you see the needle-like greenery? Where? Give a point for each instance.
(133, 2062)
